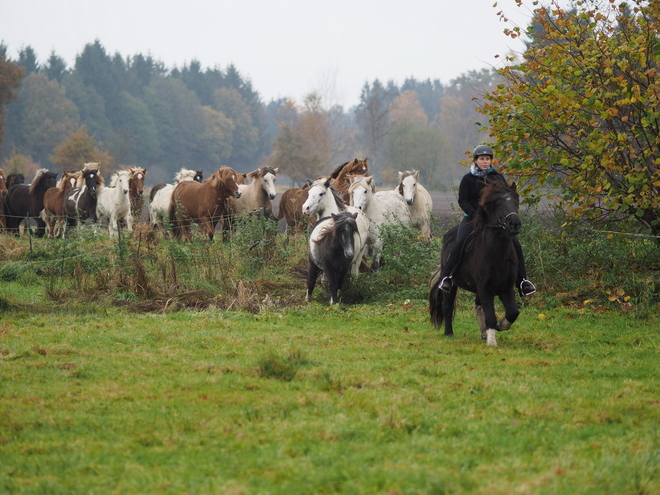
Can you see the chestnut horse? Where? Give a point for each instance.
(53, 212)
(136, 192)
(290, 208)
(202, 203)
(341, 176)
(160, 196)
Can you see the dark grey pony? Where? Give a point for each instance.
(331, 249)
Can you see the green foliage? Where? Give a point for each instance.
(580, 113)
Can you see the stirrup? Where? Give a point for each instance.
(446, 284)
(526, 288)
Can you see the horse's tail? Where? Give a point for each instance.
(435, 300)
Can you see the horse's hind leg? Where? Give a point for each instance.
(312, 275)
(448, 302)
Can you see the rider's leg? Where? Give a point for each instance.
(464, 230)
(525, 287)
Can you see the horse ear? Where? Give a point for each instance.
(514, 187)
(354, 215)
(416, 174)
(334, 216)
(327, 183)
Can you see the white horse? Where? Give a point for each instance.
(114, 202)
(418, 199)
(159, 206)
(384, 207)
(257, 194)
(323, 201)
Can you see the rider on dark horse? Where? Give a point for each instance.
(481, 174)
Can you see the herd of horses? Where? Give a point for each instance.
(347, 213)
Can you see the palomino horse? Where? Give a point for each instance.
(53, 212)
(341, 176)
(114, 202)
(80, 201)
(258, 194)
(488, 267)
(202, 203)
(381, 208)
(136, 193)
(418, 199)
(160, 197)
(331, 251)
(290, 208)
(25, 200)
(323, 200)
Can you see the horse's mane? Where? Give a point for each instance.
(403, 175)
(41, 176)
(348, 167)
(326, 183)
(14, 178)
(261, 172)
(114, 180)
(92, 166)
(137, 170)
(357, 180)
(221, 175)
(490, 194)
(65, 178)
(184, 174)
(339, 221)
(86, 171)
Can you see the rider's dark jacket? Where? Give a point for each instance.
(470, 188)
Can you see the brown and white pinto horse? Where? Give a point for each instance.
(341, 176)
(202, 203)
(136, 191)
(53, 212)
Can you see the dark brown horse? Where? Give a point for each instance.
(202, 203)
(341, 176)
(290, 208)
(26, 201)
(136, 191)
(53, 212)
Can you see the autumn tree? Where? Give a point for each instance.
(10, 78)
(80, 148)
(43, 118)
(581, 112)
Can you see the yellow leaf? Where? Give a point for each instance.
(627, 298)
(587, 301)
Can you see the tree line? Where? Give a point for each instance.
(133, 110)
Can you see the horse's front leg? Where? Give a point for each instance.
(490, 318)
(510, 308)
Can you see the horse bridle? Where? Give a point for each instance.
(502, 223)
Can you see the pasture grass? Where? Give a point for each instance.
(313, 399)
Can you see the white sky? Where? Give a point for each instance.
(287, 48)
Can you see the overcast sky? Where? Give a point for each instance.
(287, 48)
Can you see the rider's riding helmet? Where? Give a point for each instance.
(482, 150)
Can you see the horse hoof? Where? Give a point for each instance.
(503, 325)
(491, 341)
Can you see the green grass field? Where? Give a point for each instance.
(363, 399)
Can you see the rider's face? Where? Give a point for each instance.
(483, 162)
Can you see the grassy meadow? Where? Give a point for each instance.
(149, 366)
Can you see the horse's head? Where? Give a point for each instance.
(122, 180)
(268, 177)
(360, 190)
(90, 180)
(345, 229)
(499, 208)
(317, 196)
(137, 176)
(199, 176)
(408, 185)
